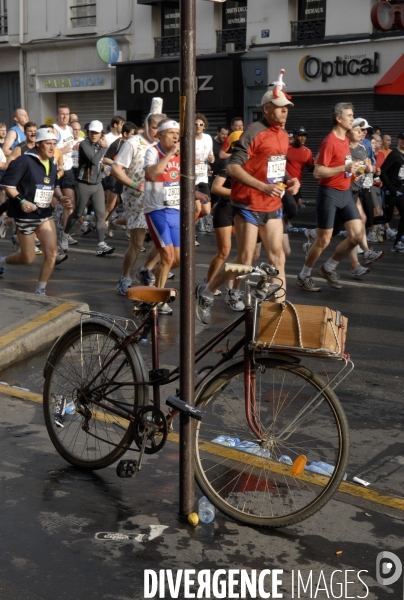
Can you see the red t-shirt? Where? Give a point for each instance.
(297, 159)
(335, 152)
(226, 145)
(380, 158)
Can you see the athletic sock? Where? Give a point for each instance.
(331, 265)
(305, 272)
(41, 285)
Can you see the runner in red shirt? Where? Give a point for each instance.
(298, 158)
(334, 169)
(257, 168)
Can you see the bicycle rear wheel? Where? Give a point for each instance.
(87, 435)
(296, 415)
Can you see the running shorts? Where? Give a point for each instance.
(331, 203)
(164, 227)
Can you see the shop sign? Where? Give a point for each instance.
(101, 80)
(235, 13)
(312, 67)
(73, 82)
(216, 83)
(385, 14)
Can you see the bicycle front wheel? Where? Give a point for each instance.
(85, 434)
(246, 470)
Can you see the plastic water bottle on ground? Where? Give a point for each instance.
(314, 468)
(328, 468)
(286, 459)
(206, 510)
(226, 440)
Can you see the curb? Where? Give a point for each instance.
(31, 324)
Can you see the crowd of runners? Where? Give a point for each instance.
(247, 184)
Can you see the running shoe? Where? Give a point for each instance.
(61, 257)
(123, 285)
(201, 225)
(372, 237)
(306, 247)
(85, 228)
(196, 242)
(331, 277)
(359, 270)
(71, 241)
(103, 249)
(217, 293)
(399, 247)
(145, 276)
(380, 234)
(203, 304)
(311, 235)
(371, 256)
(170, 275)
(38, 251)
(3, 226)
(307, 284)
(1, 270)
(64, 241)
(142, 249)
(40, 292)
(391, 234)
(15, 242)
(164, 309)
(209, 223)
(233, 299)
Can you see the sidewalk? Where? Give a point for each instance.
(29, 323)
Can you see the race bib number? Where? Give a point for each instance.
(43, 195)
(201, 169)
(401, 173)
(276, 169)
(368, 180)
(171, 194)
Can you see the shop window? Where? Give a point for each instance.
(234, 23)
(83, 13)
(310, 26)
(3, 17)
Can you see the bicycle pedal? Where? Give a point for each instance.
(126, 468)
(185, 408)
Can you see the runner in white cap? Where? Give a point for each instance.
(30, 183)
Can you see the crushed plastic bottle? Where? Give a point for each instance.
(226, 440)
(206, 510)
(286, 460)
(254, 448)
(329, 469)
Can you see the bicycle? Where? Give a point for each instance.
(258, 414)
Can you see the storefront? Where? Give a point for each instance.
(320, 76)
(219, 85)
(88, 94)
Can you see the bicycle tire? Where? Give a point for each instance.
(75, 359)
(252, 486)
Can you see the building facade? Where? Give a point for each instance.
(330, 50)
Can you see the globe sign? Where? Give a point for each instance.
(108, 50)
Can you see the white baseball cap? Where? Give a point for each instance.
(280, 101)
(362, 123)
(96, 126)
(45, 133)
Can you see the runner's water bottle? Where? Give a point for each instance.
(206, 510)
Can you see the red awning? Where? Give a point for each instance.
(392, 83)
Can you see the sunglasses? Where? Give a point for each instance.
(199, 124)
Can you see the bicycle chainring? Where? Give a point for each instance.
(150, 422)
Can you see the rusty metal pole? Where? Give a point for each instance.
(187, 279)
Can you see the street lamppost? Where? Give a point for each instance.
(187, 277)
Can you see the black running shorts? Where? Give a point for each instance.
(333, 203)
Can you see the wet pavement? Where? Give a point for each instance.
(59, 525)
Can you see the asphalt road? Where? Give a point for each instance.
(53, 517)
